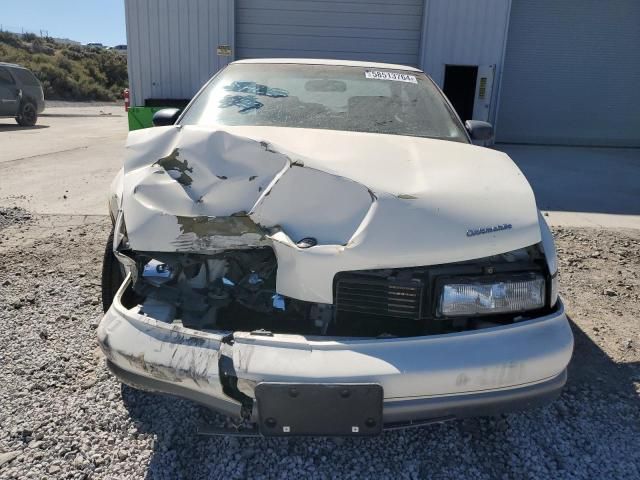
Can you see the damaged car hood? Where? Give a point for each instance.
(367, 201)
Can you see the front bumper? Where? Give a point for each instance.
(436, 377)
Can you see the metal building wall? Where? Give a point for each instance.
(369, 30)
(172, 45)
(572, 73)
(464, 32)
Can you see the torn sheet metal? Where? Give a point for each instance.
(167, 353)
(310, 203)
(371, 201)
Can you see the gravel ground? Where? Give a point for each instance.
(62, 415)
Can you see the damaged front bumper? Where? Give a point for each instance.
(428, 378)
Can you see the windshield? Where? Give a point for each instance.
(355, 99)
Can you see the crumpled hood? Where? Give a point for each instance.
(370, 201)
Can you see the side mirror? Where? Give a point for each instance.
(166, 116)
(479, 130)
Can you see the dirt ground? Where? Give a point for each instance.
(600, 285)
(62, 415)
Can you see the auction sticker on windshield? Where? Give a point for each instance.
(397, 77)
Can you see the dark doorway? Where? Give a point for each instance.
(460, 88)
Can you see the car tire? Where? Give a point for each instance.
(28, 115)
(112, 276)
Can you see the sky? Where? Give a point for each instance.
(86, 21)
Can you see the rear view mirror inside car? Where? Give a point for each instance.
(325, 85)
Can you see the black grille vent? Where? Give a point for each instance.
(373, 296)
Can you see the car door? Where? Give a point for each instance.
(9, 94)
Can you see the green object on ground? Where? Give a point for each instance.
(141, 117)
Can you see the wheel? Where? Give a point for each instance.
(112, 276)
(28, 115)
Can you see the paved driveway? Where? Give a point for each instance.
(583, 186)
(64, 164)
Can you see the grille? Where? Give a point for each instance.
(393, 298)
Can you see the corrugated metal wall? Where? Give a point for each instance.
(460, 32)
(372, 30)
(172, 45)
(572, 73)
(463, 32)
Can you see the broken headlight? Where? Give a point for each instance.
(463, 297)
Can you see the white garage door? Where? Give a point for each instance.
(572, 73)
(371, 30)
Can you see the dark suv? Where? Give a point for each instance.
(21, 94)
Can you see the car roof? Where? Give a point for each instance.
(12, 65)
(324, 61)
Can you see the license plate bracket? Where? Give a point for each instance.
(322, 409)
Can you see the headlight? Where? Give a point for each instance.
(484, 296)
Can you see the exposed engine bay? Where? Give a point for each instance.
(235, 290)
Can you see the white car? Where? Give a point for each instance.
(316, 247)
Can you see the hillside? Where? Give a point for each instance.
(67, 72)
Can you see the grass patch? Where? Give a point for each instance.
(68, 72)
